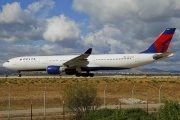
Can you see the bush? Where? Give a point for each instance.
(170, 111)
(97, 115)
(81, 98)
(123, 114)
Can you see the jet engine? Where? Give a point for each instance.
(55, 69)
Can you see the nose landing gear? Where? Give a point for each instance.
(19, 74)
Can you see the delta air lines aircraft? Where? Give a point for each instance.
(82, 65)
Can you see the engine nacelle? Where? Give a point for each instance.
(55, 69)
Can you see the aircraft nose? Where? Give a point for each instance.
(4, 65)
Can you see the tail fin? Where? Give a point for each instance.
(162, 42)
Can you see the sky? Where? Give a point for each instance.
(58, 27)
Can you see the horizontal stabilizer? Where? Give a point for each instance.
(163, 55)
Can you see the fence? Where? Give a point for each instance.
(114, 92)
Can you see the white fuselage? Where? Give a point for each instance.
(100, 62)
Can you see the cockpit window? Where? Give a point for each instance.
(8, 61)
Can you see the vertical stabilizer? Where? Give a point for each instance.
(162, 42)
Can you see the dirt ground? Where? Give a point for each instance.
(24, 90)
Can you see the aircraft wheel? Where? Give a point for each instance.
(91, 75)
(85, 74)
(78, 74)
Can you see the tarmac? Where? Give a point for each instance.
(73, 76)
(60, 111)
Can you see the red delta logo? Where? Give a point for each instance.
(20, 59)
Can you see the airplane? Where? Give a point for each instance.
(84, 64)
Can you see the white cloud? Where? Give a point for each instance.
(11, 39)
(42, 4)
(112, 11)
(139, 21)
(17, 24)
(107, 10)
(107, 40)
(12, 13)
(61, 28)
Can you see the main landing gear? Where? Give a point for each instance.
(84, 74)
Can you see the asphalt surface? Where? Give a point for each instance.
(56, 110)
(73, 76)
(60, 110)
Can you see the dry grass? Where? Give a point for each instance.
(23, 90)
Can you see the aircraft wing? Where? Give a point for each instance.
(79, 60)
(163, 55)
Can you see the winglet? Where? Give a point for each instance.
(88, 51)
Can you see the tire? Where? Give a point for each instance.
(91, 74)
(85, 74)
(78, 74)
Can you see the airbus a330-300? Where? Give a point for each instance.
(84, 64)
